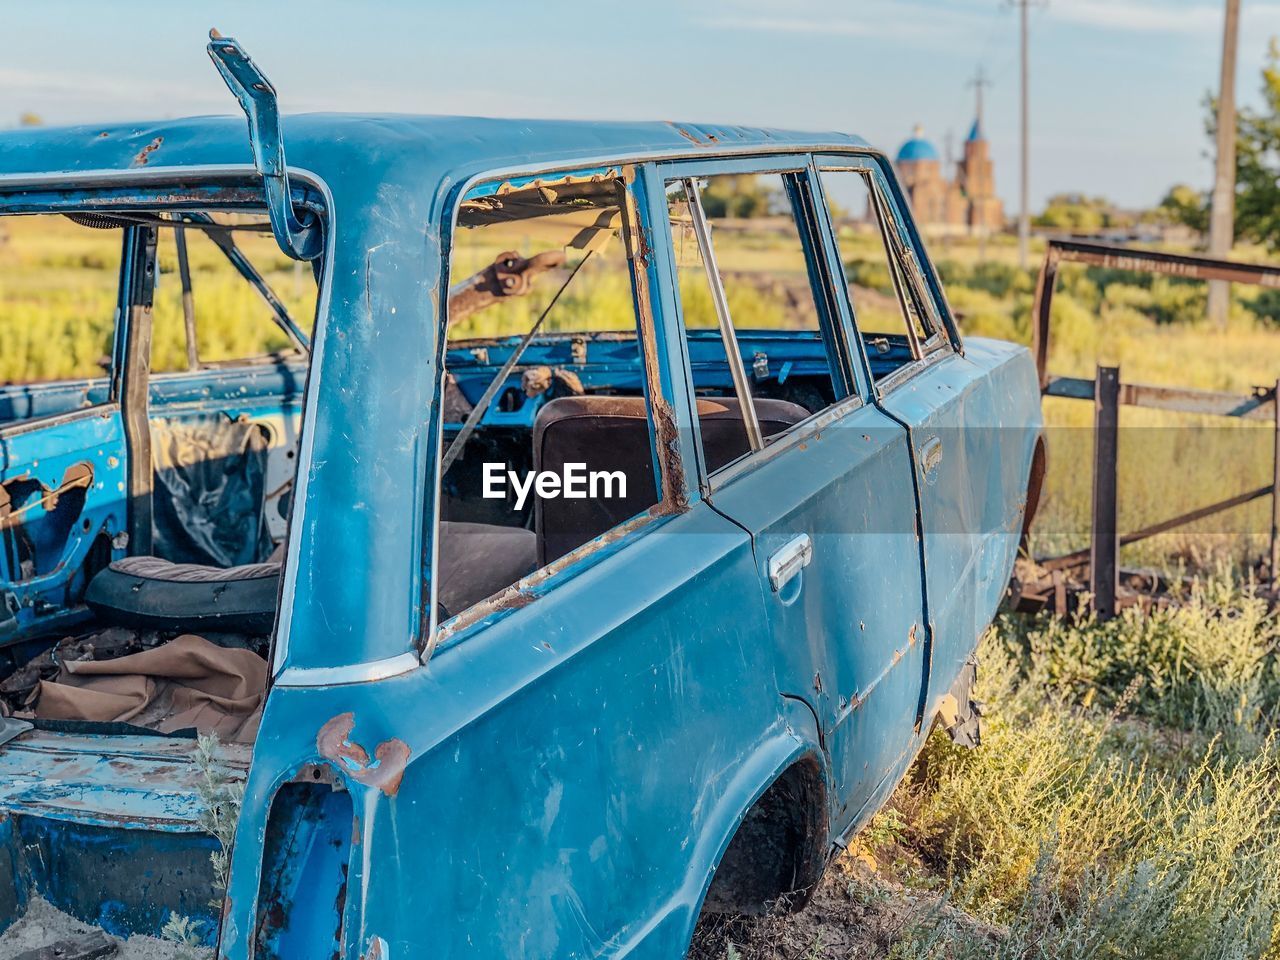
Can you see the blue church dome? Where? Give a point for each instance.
(918, 148)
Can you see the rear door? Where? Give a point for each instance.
(824, 481)
(64, 481)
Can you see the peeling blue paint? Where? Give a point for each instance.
(574, 765)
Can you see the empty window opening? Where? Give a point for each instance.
(225, 293)
(143, 494)
(58, 283)
(547, 438)
(99, 625)
(762, 352)
(893, 315)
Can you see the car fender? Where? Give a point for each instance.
(793, 738)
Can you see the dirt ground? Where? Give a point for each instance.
(855, 914)
(44, 925)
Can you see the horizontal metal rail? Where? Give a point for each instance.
(1079, 558)
(1116, 257)
(1259, 405)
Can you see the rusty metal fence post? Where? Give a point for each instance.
(1107, 393)
(1104, 545)
(1275, 493)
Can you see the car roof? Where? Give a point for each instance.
(339, 145)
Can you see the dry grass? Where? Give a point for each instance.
(1124, 803)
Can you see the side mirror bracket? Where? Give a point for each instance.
(298, 237)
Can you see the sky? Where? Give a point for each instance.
(1117, 86)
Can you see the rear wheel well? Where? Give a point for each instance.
(778, 853)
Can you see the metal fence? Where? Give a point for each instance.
(1108, 393)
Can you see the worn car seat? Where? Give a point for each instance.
(153, 593)
(612, 433)
(476, 560)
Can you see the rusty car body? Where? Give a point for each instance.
(688, 710)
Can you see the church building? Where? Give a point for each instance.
(965, 201)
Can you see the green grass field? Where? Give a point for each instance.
(58, 284)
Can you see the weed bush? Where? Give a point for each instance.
(1124, 801)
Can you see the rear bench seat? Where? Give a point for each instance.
(612, 433)
(476, 560)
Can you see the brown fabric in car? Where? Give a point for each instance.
(154, 568)
(612, 433)
(187, 682)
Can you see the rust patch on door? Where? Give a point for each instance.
(391, 757)
(384, 772)
(334, 742)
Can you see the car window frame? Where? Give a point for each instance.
(224, 186)
(248, 272)
(669, 472)
(813, 231)
(905, 250)
(112, 373)
(229, 188)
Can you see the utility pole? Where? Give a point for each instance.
(1024, 204)
(1222, 215)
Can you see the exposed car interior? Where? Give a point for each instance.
(153, 611)
(544, 370)
(544, 361)
(544, 366)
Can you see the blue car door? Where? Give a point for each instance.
(64, 456)
(62, 505)
(936, 393)
(827, 498)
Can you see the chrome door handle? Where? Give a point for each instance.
(931, 455)
(788, 560)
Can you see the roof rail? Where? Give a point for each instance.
(299, 237)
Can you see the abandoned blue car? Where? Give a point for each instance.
(475, 538)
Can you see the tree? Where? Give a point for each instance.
(1257, 167)
(740, 196)
(1258, 161)
(1186, 205)
(1080, 213)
